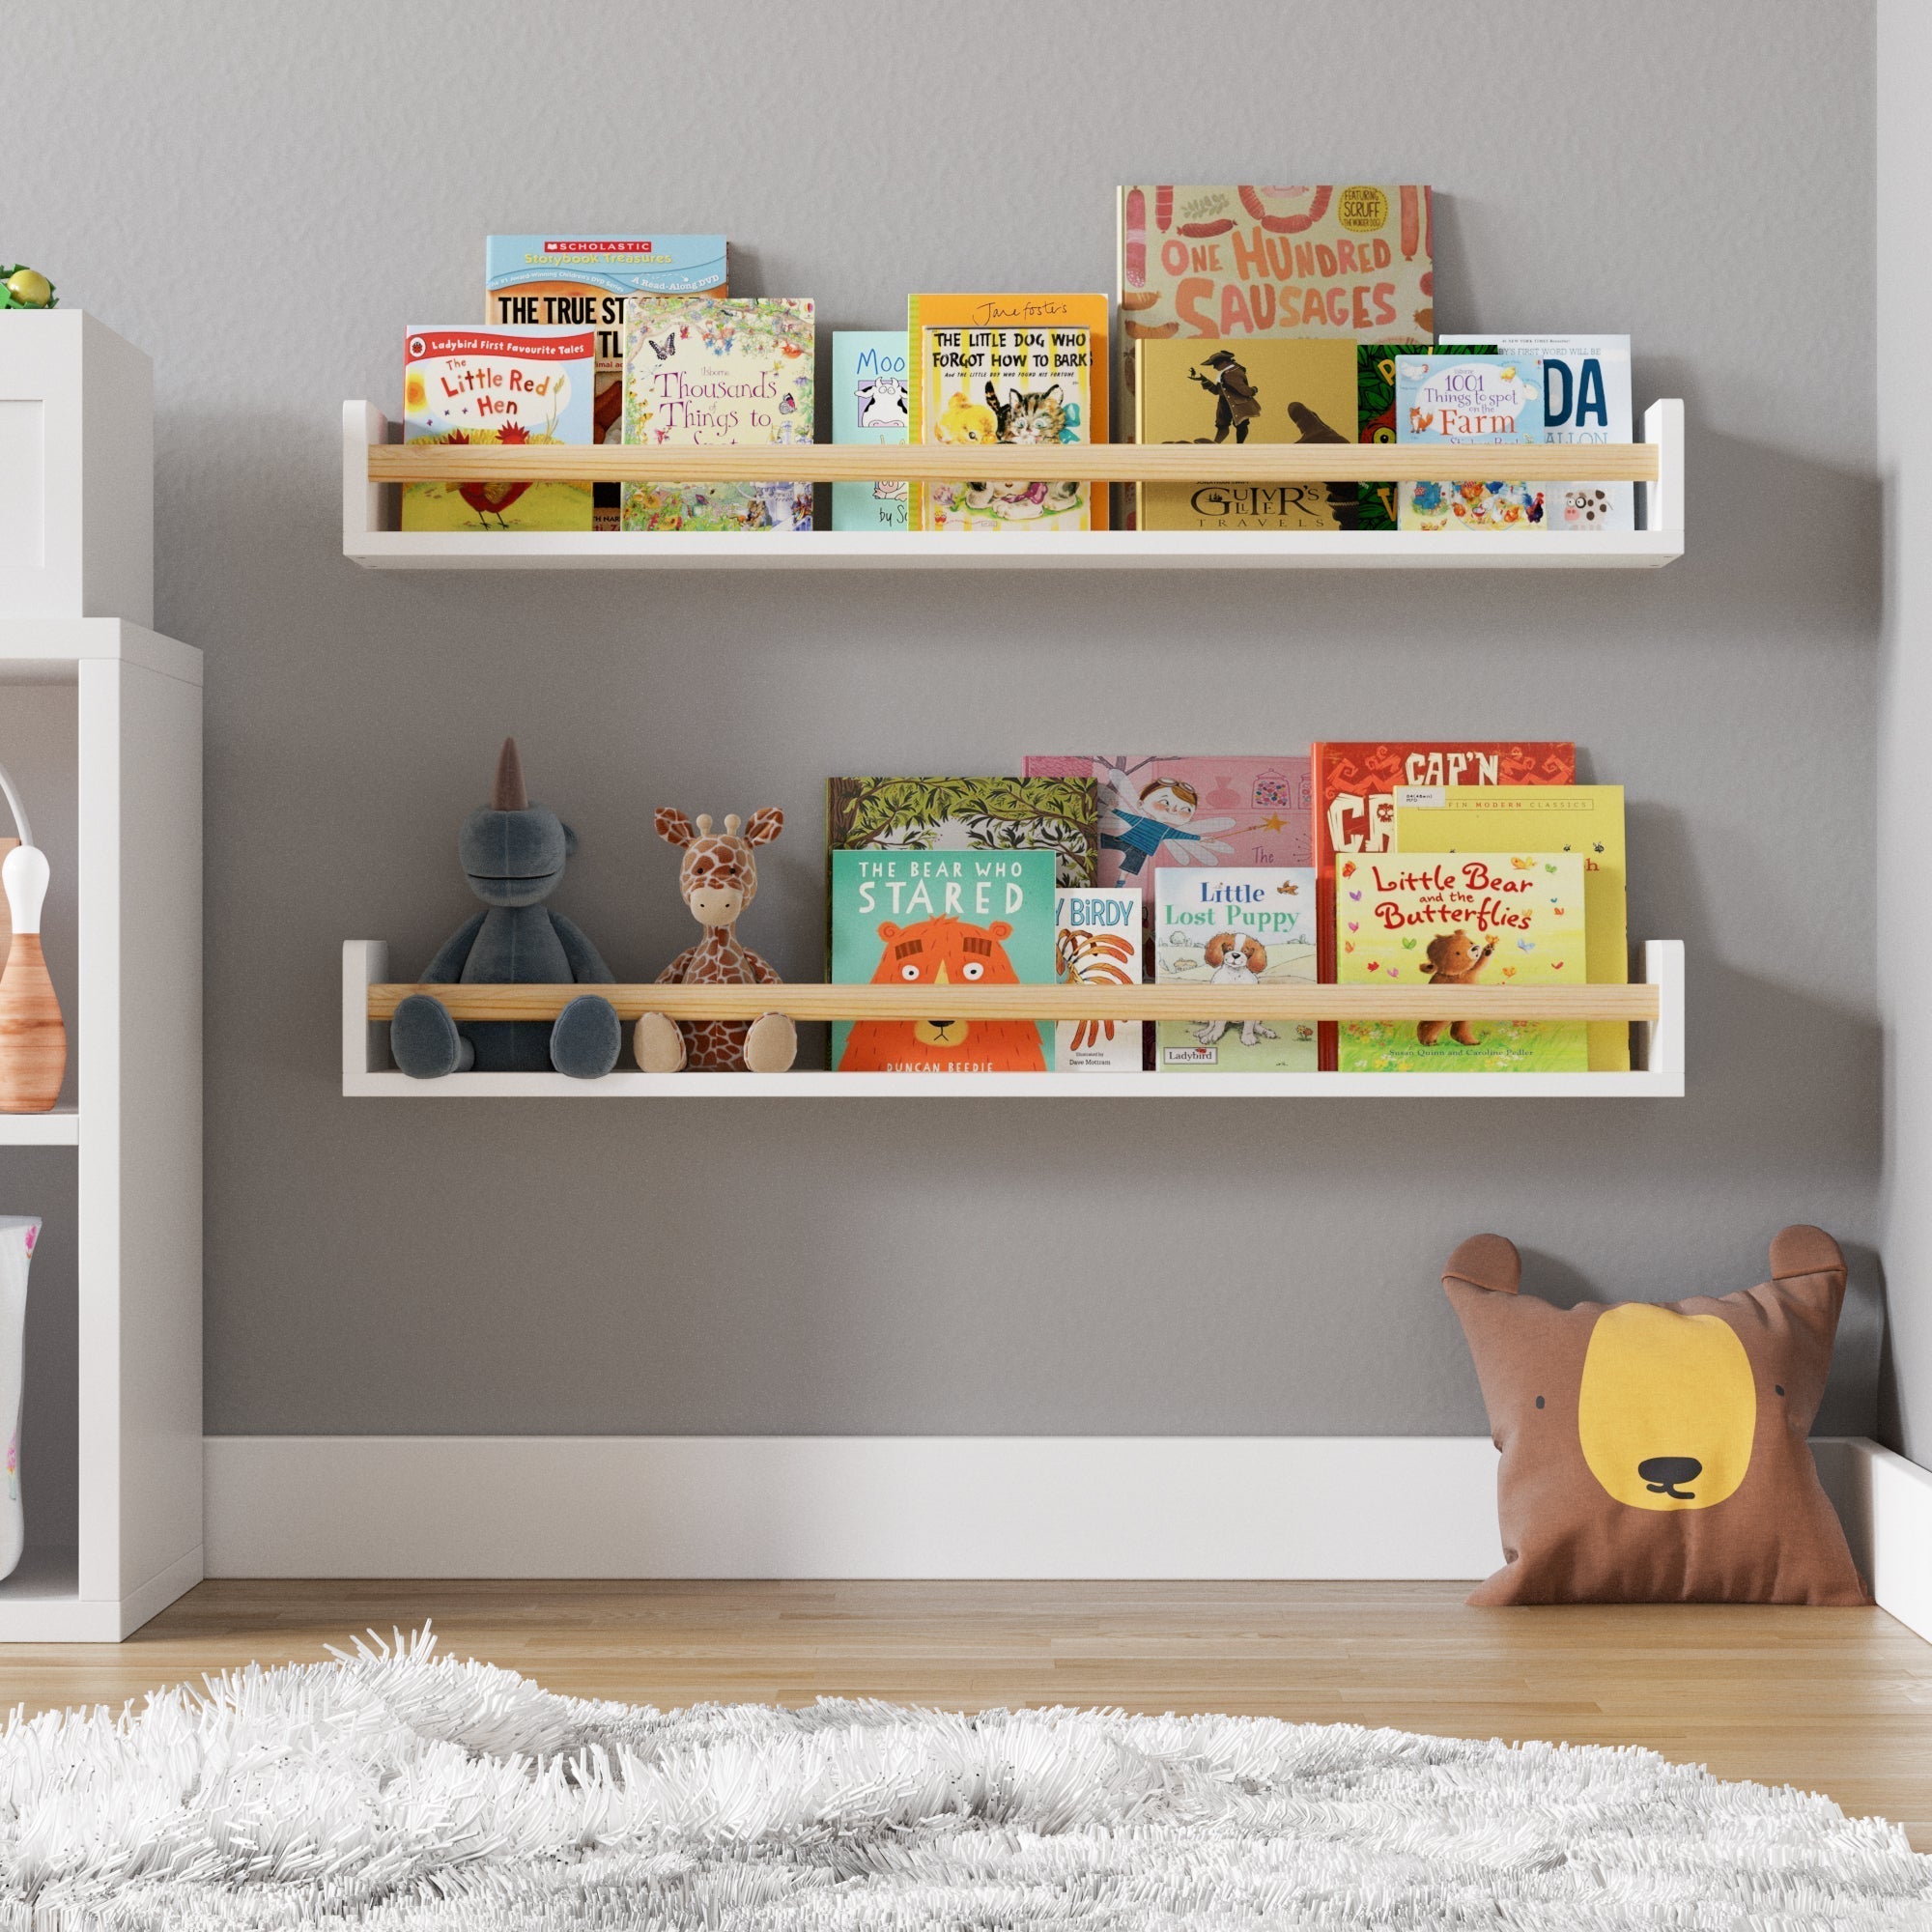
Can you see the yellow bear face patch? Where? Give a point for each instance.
(1667, 1410)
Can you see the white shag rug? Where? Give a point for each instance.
(397, 1790)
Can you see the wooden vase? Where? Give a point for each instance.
(33, 1039)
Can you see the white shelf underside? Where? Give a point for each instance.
(1100, 549)
(1191, 1086)
(59, 1129)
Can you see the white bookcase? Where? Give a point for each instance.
(100, 721)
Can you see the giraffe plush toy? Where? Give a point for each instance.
(718, 880)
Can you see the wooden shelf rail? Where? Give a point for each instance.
(1048, 463)
(804, 1001)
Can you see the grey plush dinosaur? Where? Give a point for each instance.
(513, 855)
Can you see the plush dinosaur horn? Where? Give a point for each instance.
(507, 794)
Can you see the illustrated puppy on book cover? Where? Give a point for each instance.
(1236, 959)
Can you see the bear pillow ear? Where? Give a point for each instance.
(1805, 1250)
(672, 826)
(1485, 1260)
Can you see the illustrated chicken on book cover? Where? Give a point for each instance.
(498, 385)
(943, 920)
(1097, 942)
(1353, 804)
(703, 371)
(1461, 919)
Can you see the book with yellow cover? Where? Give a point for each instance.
(1227, 393)
(1014, 369)
(1584, 819)
(1461, 919)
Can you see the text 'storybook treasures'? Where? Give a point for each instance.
(1375, 418)
(1461, 919)
(1467, 400)
(498, 385)
(1097, 942)
(1007, 369)
(1237, 927)
(702, 371)
(944, 920)
(1586, 398)
(1227, 393)
(1351, 261)
(1197, 809)
(1585, 819)
(1354, 792)
(1057, 814)
(582, 281)
(869, 405)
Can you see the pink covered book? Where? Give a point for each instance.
(1208, 809)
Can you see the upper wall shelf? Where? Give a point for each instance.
(372, 467)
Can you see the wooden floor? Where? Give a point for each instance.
(1838, 1701)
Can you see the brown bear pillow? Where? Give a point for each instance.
(1657, 1453)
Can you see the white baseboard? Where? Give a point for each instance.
(1309, 1507)
(850, 1506)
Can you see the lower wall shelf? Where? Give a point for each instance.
(368, 1073)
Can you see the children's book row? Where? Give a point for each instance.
(1241, 315)
(1467, 863)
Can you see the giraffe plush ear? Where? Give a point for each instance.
(764, 825)
(672, 826)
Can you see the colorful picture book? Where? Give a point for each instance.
(1375, 417)
(1235, 926)
(1057, 814)
(1587, 820)
(1465, 400)
(1346, 262)
(943, 919)
(1228, 394)
(581, 282)
(1011, 369)
(1097, 942)
(870, 403)
(1462, 918)
(1197, 809)
(699, 371)
(1586, 398)
(1354, 788)
(498, 385)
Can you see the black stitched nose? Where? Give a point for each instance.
(1662, 1473)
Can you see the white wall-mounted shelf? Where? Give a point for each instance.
(370, 538)
(137, 775)
(59, 1129)
(369, 1073)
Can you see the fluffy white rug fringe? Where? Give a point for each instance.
(400, 1791)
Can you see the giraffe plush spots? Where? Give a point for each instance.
(718, 880)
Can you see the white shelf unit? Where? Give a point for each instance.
(369, 1073)
(135, 1131)
(370, 537)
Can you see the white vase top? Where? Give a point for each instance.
(24, 876)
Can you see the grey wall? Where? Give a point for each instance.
(265, 197)
(1905, 908)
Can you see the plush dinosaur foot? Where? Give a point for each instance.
(771, 1044)
(423, 1039)
(587, 1037)
(658, 1044)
